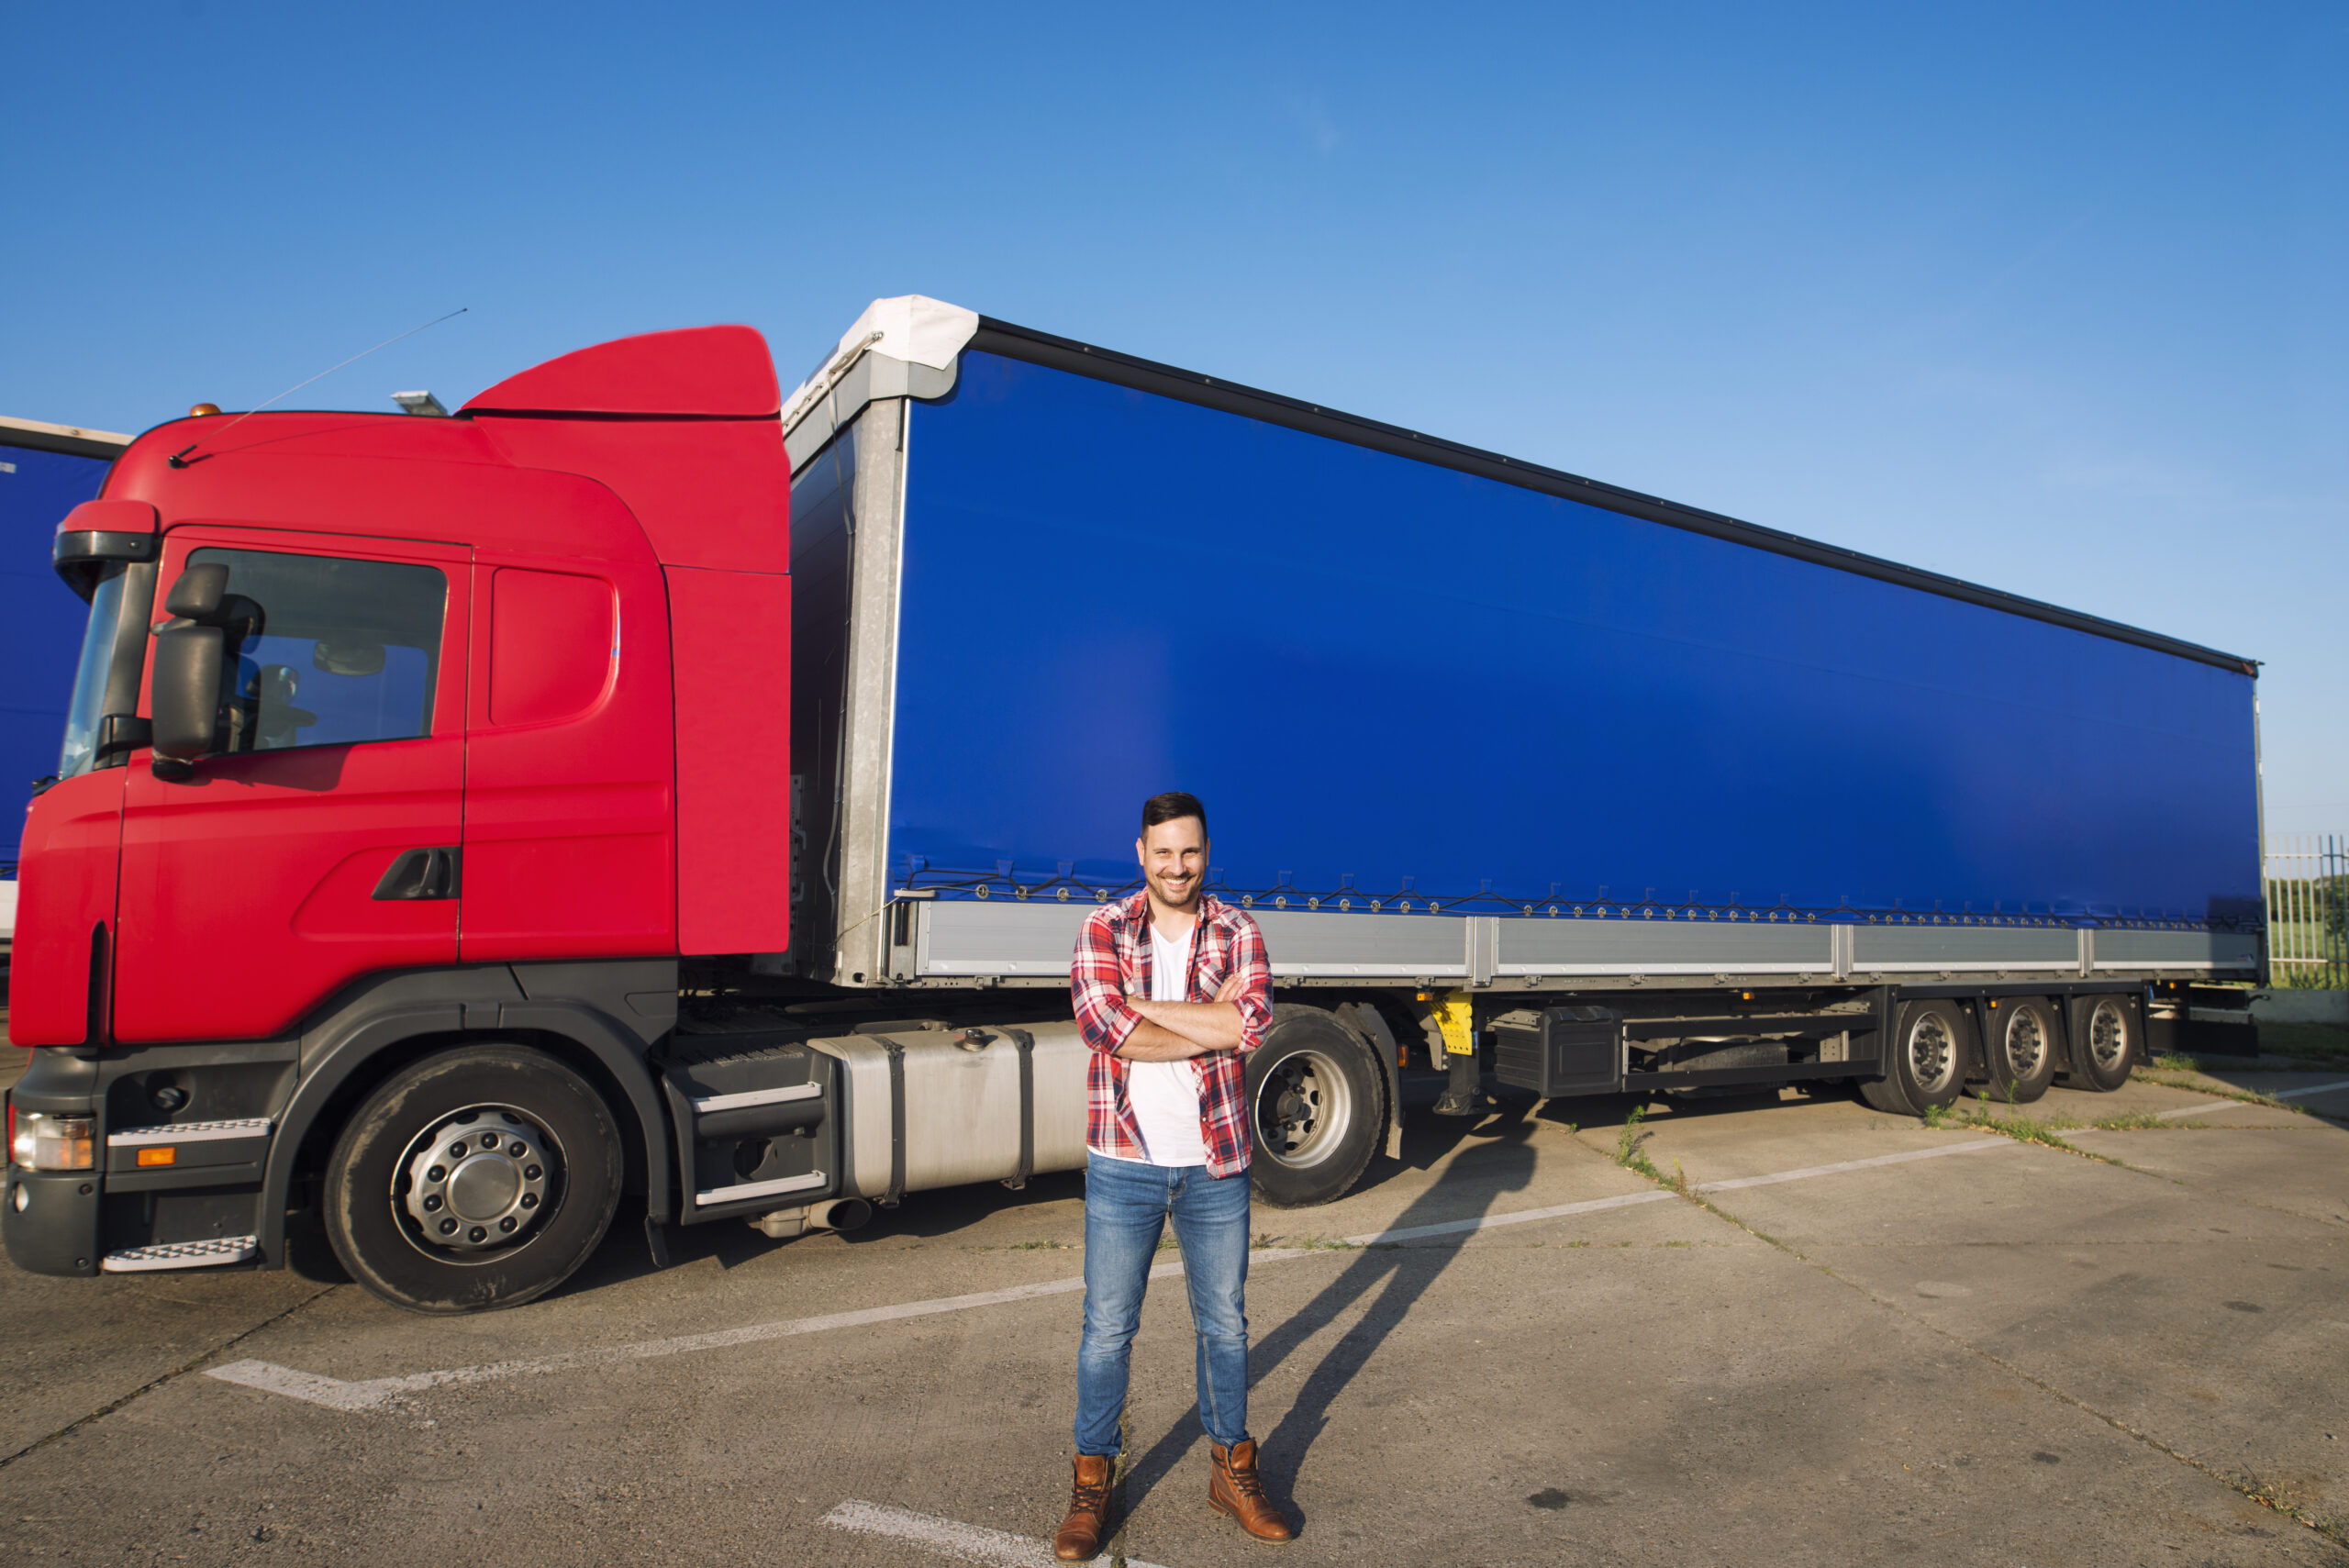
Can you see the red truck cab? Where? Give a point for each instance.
(388, 731)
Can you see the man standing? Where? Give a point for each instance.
(1172, 989)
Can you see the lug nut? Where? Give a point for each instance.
(489, 1141)
(456, 1152)
(531, 1172)
(437, 1174)
(448, 1228)
(477, 1234)
(506, 1224)
(529, 1200)
(431, 1202)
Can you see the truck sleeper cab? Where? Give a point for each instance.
(465, 822)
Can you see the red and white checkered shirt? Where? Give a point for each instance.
(1112, 963)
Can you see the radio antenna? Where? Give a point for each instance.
(180, 458)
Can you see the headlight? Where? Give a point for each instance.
(46, 1142)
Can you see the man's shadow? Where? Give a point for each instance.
(1401, 1274)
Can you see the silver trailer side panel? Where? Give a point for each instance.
(967, 939)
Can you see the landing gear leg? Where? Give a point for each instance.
(1465, 1095)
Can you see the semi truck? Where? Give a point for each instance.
(644, 784)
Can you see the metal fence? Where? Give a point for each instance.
(2308, 897)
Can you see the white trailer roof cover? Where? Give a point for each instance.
(903, 347)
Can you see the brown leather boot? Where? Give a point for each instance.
(1235, 1489)
(1079, 1537)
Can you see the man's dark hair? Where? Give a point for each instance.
(1166, 807)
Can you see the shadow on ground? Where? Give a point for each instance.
(1394, 1278)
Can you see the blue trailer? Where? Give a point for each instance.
(45, 472)
(1521, 773)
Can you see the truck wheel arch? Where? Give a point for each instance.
(1364, 1019)
(370, 1048)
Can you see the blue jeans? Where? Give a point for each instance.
(1126, 1209)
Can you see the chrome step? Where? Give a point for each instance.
(808, 1181)
(183, 1255)
(747, 1098)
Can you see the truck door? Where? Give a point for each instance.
(320, 842)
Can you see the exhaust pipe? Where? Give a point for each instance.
(832, 1214)
(839, 1214)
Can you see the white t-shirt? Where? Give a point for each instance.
(1165, 1094)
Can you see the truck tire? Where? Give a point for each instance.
(1316, 1106)
(1926, 1064)
(479, 1178)
(2023, 1048)
(2108, 1036)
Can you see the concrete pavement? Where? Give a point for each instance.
(2010, 1354)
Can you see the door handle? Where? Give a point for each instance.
(423, 873)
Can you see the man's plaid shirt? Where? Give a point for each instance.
(1112, 963)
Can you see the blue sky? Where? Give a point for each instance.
(2047, 296)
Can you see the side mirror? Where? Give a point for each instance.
(201, 597)
(186, 692)
(196, 596)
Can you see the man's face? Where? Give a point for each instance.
(1175, 860)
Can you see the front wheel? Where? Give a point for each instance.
(1316, 1103)
(479, 1178)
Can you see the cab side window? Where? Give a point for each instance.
(341, 652)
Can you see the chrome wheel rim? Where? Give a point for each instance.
(1303, 1109)
(1933, 1053)
(478, 1184)
(2109, 1035)
(2026, 1044)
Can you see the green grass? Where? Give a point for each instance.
(2305, 1048)
(2211, 1087)
(1630, 1148)
(2292, 1503)
(1264, 1240)
(2025, 1130)
(2326, 1045)
(2048, 1133)
(2132, 1121)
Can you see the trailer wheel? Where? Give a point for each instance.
(2022, 1050)
(1316, 1103)
(2107, 1037)
(1930, 1046)
(479, 1178)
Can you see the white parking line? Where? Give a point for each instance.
(1487, 1222)
(375, 1394)
(972, 1543)
(2217, 1103)
(1842, 1165)
(380, 1392)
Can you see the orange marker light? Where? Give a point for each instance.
(159, 1154)
(204, 410)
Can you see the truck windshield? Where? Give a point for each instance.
(90, 676)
